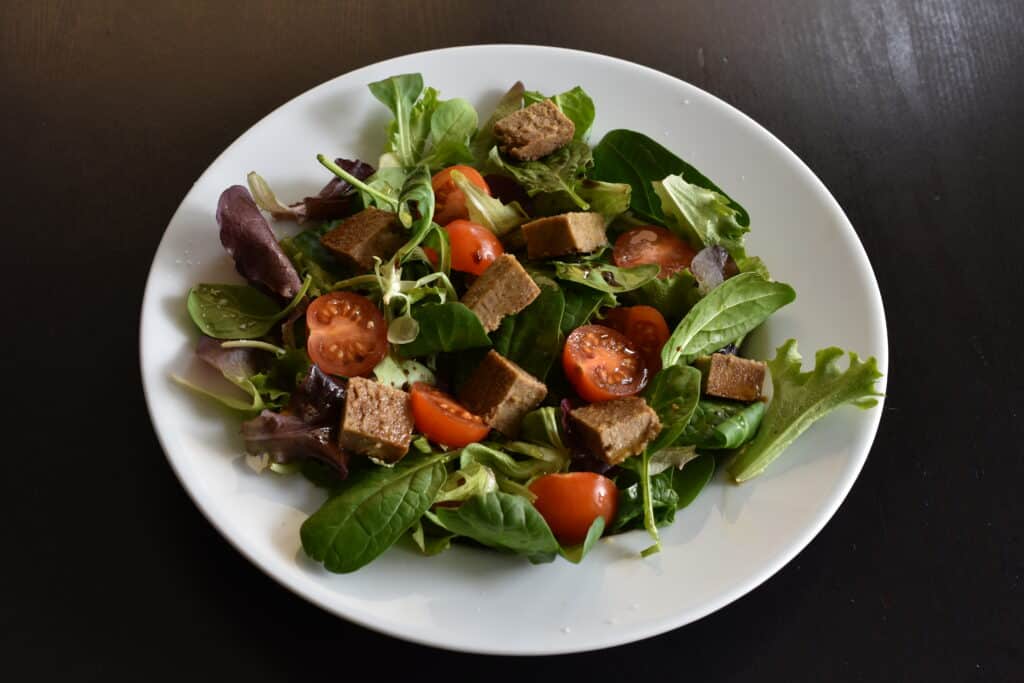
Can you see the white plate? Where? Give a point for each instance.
(729, 541)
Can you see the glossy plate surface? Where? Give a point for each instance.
(725, 544)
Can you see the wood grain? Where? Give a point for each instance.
(910, 112)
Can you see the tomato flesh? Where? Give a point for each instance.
(602, 363)
(645, 327)
(570, 503)
(348, 334)
(652, 244)
(474, 247)
(449, 200)
(442, 419)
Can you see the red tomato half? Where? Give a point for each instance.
(348, 334)
(603, 364)
(570, 503)
(651, 244)
(442, 419)
(474, 247)
(645, 327)
(449, 201)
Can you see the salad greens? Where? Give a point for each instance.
(373, 280)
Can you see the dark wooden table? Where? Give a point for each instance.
(911, 112)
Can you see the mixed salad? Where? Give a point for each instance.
(502, 335)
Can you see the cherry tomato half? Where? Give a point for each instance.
(651, 244)
(474, 247)
(603, 364)
(442, 419)
(570, 503)
(645, 327)
(449, 201)
(348, 334)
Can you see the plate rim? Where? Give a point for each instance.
(792, 547)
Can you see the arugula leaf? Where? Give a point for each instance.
(445, 327)
(576, 553)
(237, 311)
(673, 395)
(383, 187)
(452, 125)
(581, 303)
(399, 94)
(532, 338)
(625, 156)
(799, 399)
(503, 521)
(689, 481)
(559, 171)
(420, 123)
(374, 509)
(672, 296)
(704, 217)
(417, 193)
(488, 211)
(575, 104)
(729, 311)
(606, 278)
(312, 260)
(485, 140)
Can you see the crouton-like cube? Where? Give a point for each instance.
(729, 376)
(358, 238)
(377, 421)
(503, 289)
(501, 393)
(615, 430)
(570, 233)
(534, 131)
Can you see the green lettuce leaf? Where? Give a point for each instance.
(702, 216)
(799, 399)
(560, 171)
(576, 104)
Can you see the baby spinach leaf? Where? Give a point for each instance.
(485, 140)
(799, 399)
(452, 125)
(559, 171)
(543, 426)
(625, 156)
(673, 394)
(737, 429)
(575, 104)
(728, 312)
(445, 327)
(705, 429)
(399, 94)
(630, 515)
(606, 278)
(692, 478)
(237, 311)
(672, 296)
(576, 553)
(532, 338)
(702, 216)
(503, 521)
(374, 509)
(430, 544)
(312, 260)
(505, 465)
(581, 303)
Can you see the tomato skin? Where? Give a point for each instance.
(645, 326)
(652, 244)
(348, 334)
(442, 419)
(432, 256)
(449, 200)
(602, 364)
(474, 247)
(570, 503)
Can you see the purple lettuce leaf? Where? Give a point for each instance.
(288, 438)
(247, 237)
(318, 399)
(708, 266)
(234, 364)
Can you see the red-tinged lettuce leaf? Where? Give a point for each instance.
(248, 239)
(288, 438)
(234, 364)
(318, 399)
(334, 201)
(708, 266)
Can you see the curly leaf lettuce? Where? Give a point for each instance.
(801, 398)
(703, 216)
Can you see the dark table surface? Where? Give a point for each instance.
(910, 112)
